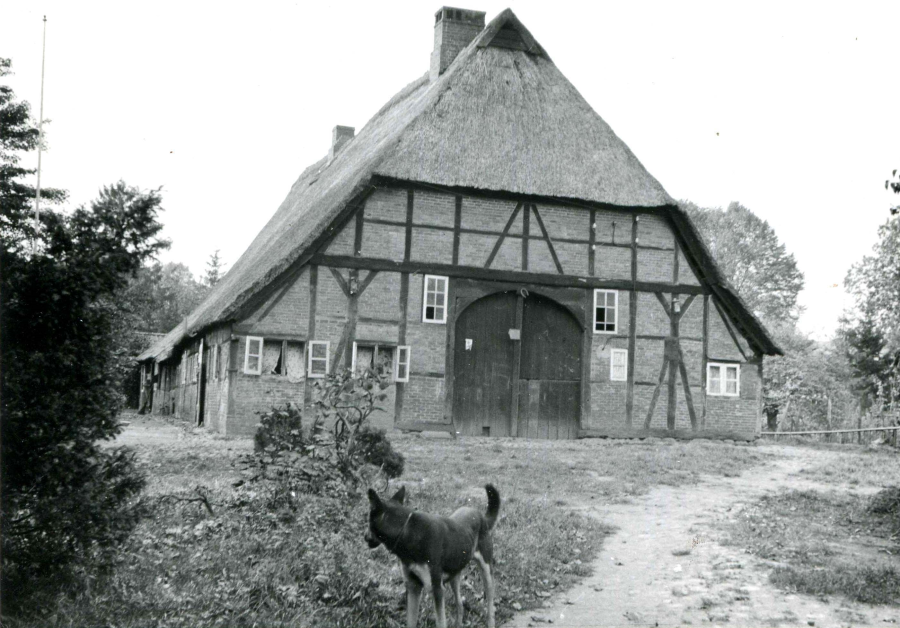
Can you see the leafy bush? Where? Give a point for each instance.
(339, 451)
(280, 430)
(886, 501)
(374, 448)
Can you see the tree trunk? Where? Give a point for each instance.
(772, 418)
(828, 417)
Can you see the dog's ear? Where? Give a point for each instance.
(374, 499)
(400, 495)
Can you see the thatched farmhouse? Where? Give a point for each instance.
(490, 238)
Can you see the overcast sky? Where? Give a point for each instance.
(789, 108)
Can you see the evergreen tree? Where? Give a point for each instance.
(214, 269)
(65, 500)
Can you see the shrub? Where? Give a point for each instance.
(280, 430)
(886, 501)
(373, 447)
(339, 451)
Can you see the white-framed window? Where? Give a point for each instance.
(723, 379)
(434, 299)
(317, 358)
(606, 311)
(618, 365)
(253, 355)
(368, 355)
(401, 364)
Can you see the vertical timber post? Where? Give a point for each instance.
(517, 363)
(705, 357)
(632, 324)
(401, 337)
(311, 329)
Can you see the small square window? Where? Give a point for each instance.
(380, 358)
(317, 366)
(723, 379)
(434, 300)
(294, 363)
(618, 365)
(606, 305)
(253, 355)
(273, 357)
(401, 367)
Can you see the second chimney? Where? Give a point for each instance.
(340, 135)
(454, 29)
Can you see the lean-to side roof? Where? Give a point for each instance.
(497, 119)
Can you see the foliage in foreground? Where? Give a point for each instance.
(66, 501)
(825, 544)
(260, 563)
(255, 561)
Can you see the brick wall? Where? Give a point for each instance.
(232, 402)
(285, 312)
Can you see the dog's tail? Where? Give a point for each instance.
(493, 508)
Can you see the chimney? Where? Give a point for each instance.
(454, 29)
(340, 135)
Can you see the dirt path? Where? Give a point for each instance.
(638, 581)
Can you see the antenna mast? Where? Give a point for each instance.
(37, 193)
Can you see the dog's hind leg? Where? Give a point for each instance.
(488, 580)
(413, 596)
(457, 597)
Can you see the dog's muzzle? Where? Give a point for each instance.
(371, 539)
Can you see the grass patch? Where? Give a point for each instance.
(859, 465)
(826, 544)
(870, 585)
(249, 564)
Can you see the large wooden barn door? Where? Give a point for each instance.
(543, 371)
(483, 365)
(550, 374)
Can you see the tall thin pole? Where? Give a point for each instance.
(37, 192)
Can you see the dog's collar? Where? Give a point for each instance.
(402, 530)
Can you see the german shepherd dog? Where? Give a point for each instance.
(434, 549)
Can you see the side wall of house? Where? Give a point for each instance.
(367, 282)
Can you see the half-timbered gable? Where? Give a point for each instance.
(488, 241)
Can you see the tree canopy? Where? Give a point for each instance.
(161, 295)
(753, 259)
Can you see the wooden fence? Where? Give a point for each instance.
(893, 429)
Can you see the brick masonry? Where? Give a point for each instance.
(234, 398)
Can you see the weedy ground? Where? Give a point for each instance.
(251, 563)
(833, 542)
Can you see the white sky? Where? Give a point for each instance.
(789, 108)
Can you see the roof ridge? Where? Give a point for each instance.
(508, 18)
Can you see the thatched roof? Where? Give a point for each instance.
(499, 118)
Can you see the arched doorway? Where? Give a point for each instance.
(526, 386)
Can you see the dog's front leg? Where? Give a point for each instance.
(457, 597)
(437, 591)
(413, 597)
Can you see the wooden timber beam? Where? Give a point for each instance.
(499, 242)
(488, 274)
(552, 248)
